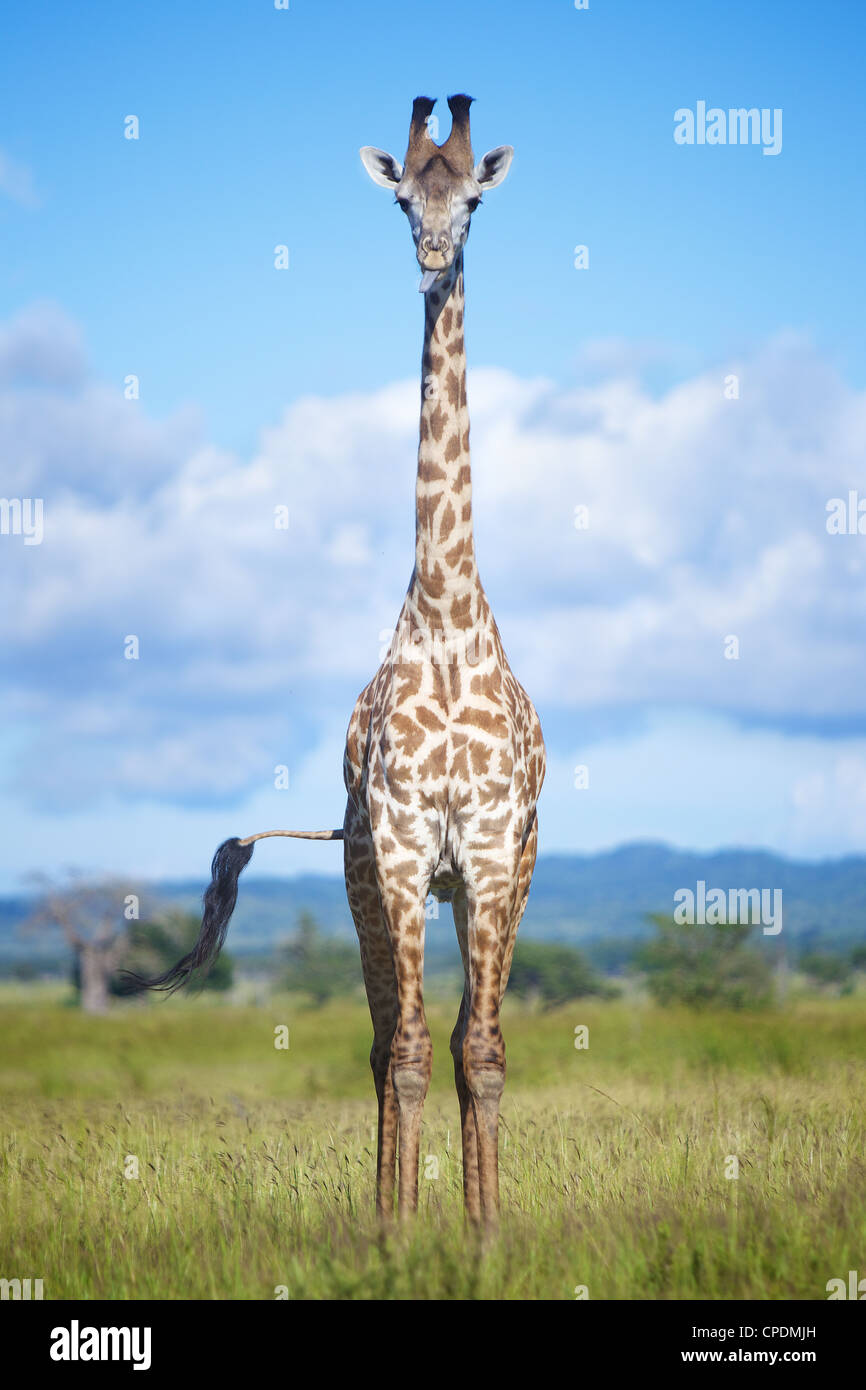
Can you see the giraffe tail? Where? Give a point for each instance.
(229, 861)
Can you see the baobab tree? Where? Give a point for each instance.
(92, 917)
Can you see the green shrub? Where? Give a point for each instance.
(554, 974)
(704, 966)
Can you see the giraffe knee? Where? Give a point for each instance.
(484, 1060)
(411, 1066)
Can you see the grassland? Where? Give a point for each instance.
(256, 1165)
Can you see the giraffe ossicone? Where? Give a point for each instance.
(444, 757)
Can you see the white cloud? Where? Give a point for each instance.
(41, 345)
(706, 519)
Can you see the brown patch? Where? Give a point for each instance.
(430, 720)
(461, 610)
(398, 793)
(455, 554)
(426, 509)
(480, 755)
(427, 610)
(446, 525)
(437, 422)
(399, 903)
(439, 693)
(452, 449)
(409, 736)
(460, 765)
(430, 472)
(434, 581)
(406, 836)
(489, 685)
(410, 680)
(435, 765)
(495, 724)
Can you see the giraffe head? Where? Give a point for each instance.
(438, 186)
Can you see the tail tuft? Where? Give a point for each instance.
(219, 904)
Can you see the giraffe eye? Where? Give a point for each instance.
(404, 204)
(472, 204)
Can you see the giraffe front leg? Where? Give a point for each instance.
(386, 1145)
(484, 1069)
(468, 1133)
(411, 1068)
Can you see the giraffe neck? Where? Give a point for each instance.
(445, 585)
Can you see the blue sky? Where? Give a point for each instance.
(155, 257)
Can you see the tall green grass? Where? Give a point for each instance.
(256, 1165)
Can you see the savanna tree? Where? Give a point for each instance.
(92, 917)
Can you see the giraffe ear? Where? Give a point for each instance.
(383, 168)
(491, 170)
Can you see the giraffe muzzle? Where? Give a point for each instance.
(435, 251)
(435, 255)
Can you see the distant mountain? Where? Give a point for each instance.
(581, 898)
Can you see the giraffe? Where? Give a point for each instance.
(444, 757)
